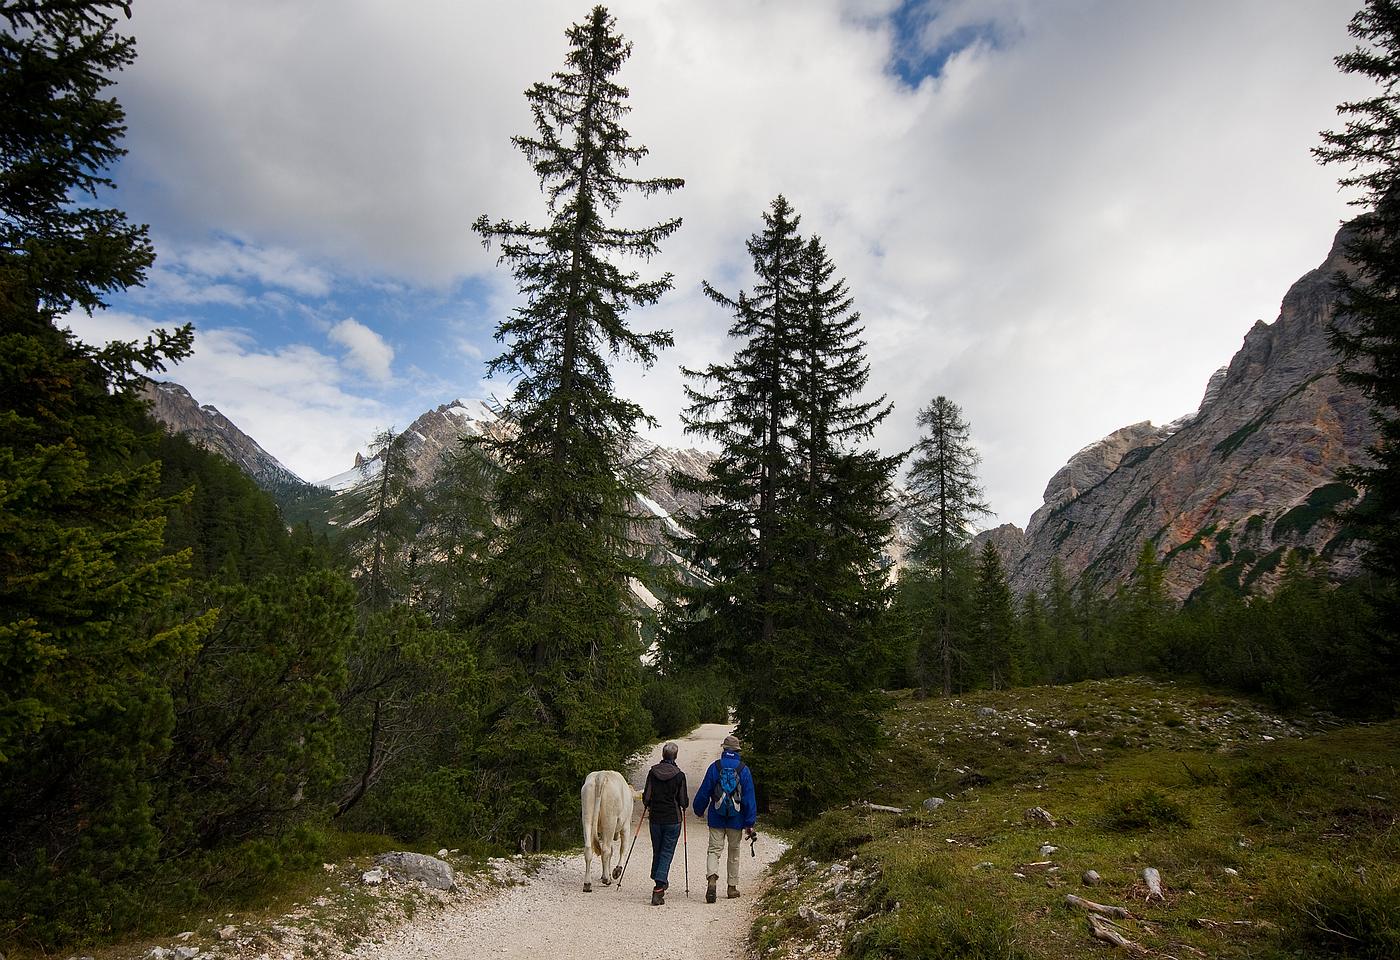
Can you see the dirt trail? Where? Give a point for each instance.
(549, 917)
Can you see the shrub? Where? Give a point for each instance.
(1343, 913)
(834, 834)
(1148, 809)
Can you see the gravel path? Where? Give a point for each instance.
(549, 917)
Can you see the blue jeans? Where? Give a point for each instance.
(663, 848)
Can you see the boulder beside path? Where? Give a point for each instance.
(418, 866)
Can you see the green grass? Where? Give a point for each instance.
(331, 908)
(1291, 826)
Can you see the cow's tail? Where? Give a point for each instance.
(598, 819)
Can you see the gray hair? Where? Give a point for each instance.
(669, 751)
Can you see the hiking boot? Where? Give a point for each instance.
(732, 893)
(658, 897)
(710, 890)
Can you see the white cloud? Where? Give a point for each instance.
(300, 404)
(1066, 231)
(365, 350)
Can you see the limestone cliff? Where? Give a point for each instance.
(1236, 485)
(174, 407)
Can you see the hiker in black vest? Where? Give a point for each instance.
(665, 798)
(727, 792)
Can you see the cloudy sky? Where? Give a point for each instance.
(1062, 214)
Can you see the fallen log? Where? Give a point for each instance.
(1106, 931)
(882, 808)
(1103, 909)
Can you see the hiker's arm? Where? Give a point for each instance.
(749, 801)
(646, 793)
(705, 790)
(682, 794)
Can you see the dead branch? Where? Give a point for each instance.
(1205, 923)
(1107, 931)
(1118, 913)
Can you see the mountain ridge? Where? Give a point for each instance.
(1231, 488)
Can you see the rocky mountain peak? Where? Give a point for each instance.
(174, 407)
(1233, 487)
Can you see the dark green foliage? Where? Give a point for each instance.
(1143, 608)
(88, 622)
(557, 612)
(1146, 809)
(60, 135)
(255, 714)
(796, 519)
(945, 500)
(1366, 327)
(409, 701)
(997, 655)
(232, 530)
(679, 702)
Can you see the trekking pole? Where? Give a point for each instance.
(631, 848)
(685, 840)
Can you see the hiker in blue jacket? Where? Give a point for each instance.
(727, 793)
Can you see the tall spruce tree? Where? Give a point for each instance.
(556, 608)
(946, 499)
(86, 589)
(815, 722)
(1367, 327)
(745, 407)
(997, 640)
(797, 517)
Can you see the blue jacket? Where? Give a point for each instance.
(748, 806)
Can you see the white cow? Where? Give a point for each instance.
(607, 824)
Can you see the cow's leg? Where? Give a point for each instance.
(590, 820)
(608, 874)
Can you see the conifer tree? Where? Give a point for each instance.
(797, 515)
(1034, 639)
(996, 621)
(1147, 607)
(86, 589)
(746, 407)
(379, 519)
(814, 723)
(557, 575)
(1366, 330)
(946, 499)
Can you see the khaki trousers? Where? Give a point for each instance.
(718, 835)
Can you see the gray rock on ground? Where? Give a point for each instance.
(933, 803)
(418, 866)
(1091, 878)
